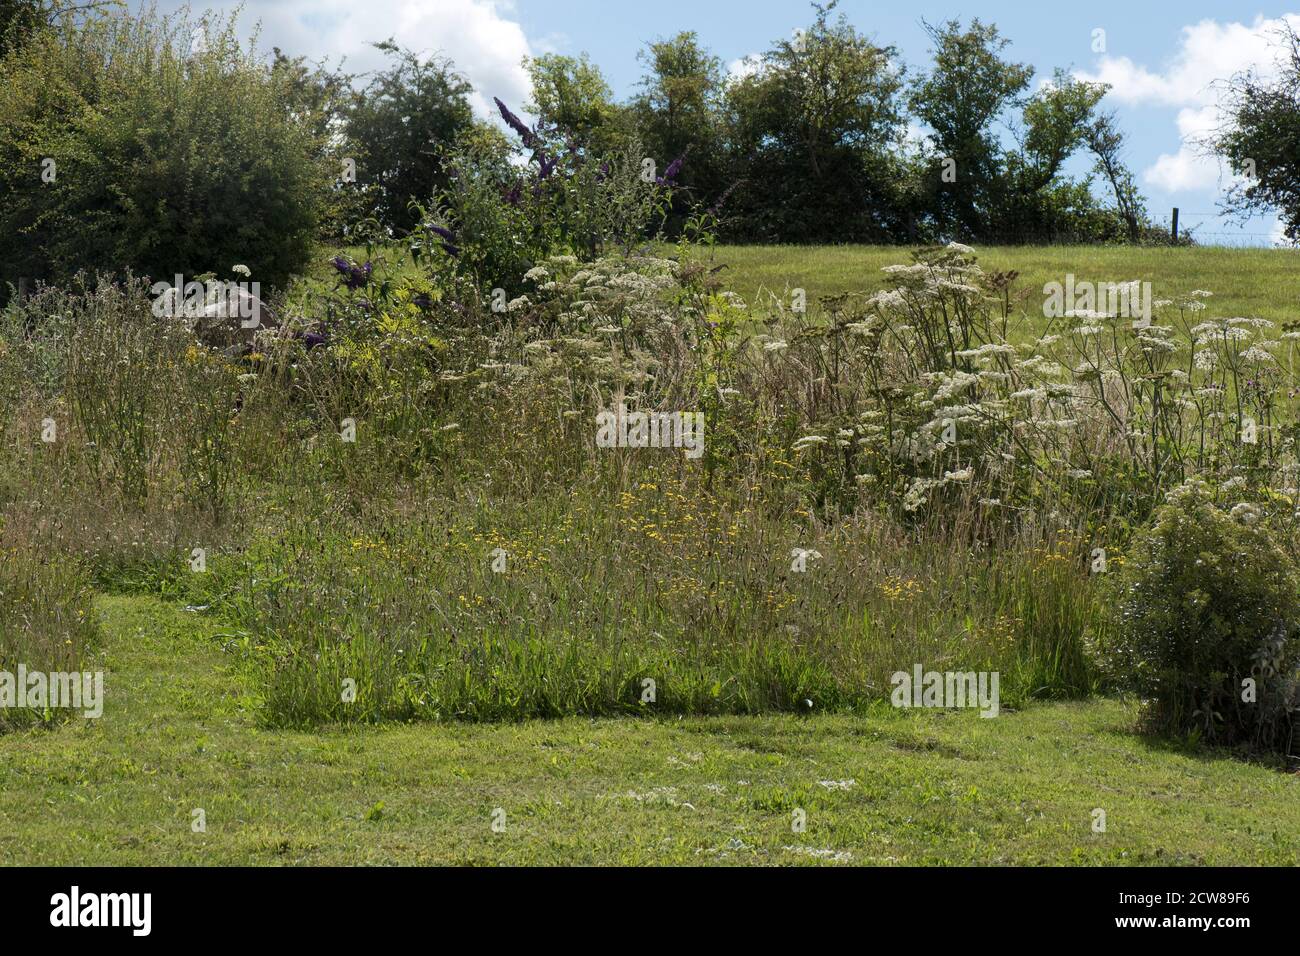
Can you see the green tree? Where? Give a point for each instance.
(571, 96)
(959, 99)
(401, 124)
(679, 117)
(19, 19)
(1261, 139)
(319, 96)
(996, 167)
(1107, 144)
(1035, 199)
(817, 129)
(1057, 121)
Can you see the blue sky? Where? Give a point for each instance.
(1161, 58)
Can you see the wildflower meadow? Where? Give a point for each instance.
(404, 474)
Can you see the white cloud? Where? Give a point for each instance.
(1189, 169)
(745, 66)
(486, 46)
(1277, 234)
(1209, 54)
(917, 134)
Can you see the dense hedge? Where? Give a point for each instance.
(152, 144)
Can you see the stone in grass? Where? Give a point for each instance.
(232, 322)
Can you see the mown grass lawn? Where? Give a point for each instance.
(180, 732)
(1254, 283)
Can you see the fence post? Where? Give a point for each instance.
(1175, 224)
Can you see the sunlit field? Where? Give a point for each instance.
(1245, 282)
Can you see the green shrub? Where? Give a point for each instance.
(501, 217)
(1208, 603)
(152, 143)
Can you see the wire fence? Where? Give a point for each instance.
(1262, 238)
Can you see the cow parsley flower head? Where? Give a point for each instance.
(1245, 513)
(808, 441)
(918, 493)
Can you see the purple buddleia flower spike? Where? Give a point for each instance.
(726, 194)
(353, 276)
(670, 174)
(515, 123)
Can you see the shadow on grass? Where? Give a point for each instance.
(1194, 749)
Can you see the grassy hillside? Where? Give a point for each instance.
(1255, 283)
(1263, 283)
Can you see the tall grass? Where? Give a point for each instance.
(47, 622)
(602, 589)
(357, 577)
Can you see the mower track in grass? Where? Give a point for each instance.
(180, 733)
